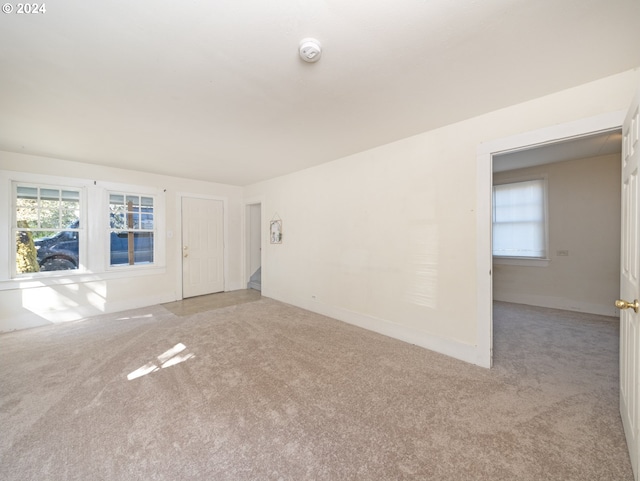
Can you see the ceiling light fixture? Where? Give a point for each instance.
(310, 50)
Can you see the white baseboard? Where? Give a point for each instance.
(448, 347)
(558, 303)
(234, 286)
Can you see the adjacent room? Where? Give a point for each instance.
(320, 240)
(573, 240)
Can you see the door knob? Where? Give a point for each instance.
(635, 305)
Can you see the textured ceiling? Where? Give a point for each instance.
(216, 90)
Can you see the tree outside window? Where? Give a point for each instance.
(132, 229)
(47, 228)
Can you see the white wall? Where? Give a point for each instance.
(387, 238)
(33, 303)
(584, 219)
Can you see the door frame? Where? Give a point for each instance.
(484, 189)
(246, 242)
(178, 243)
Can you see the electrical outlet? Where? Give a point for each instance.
(562, 253)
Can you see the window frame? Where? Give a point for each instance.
(544, 260)
(94, 267)
(127, 193)
(82, 231)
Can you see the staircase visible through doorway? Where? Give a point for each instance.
(255, 282)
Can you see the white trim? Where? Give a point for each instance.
(16, 176)
(6, 246)
(8, 275)
(246, 203)
(94, 264)
(555, 133)
(448, 347)
(81, 230)
(522, 261)
(159, 230)
(225, 237)
(484, 262)
(484, 183)
(528, 261)
(560, 303)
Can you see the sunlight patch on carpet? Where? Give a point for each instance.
(168, 358)
(134, 317)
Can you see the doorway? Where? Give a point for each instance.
(486, 155)
(254, 246)
(565, 197)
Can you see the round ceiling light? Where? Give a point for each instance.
(310, 50)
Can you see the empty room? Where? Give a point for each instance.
(318, 240)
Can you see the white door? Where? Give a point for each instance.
(630, 286)
(202, 247)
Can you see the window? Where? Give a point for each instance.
(63, 230)
(131, 229)
(46, 228)
(519, 219)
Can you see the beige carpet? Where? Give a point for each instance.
(208, 302)
(266, 391)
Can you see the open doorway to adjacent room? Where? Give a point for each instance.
(254, 246)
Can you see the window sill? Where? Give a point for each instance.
(62, 278)
(521, 261)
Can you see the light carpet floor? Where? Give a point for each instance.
(267, 391)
